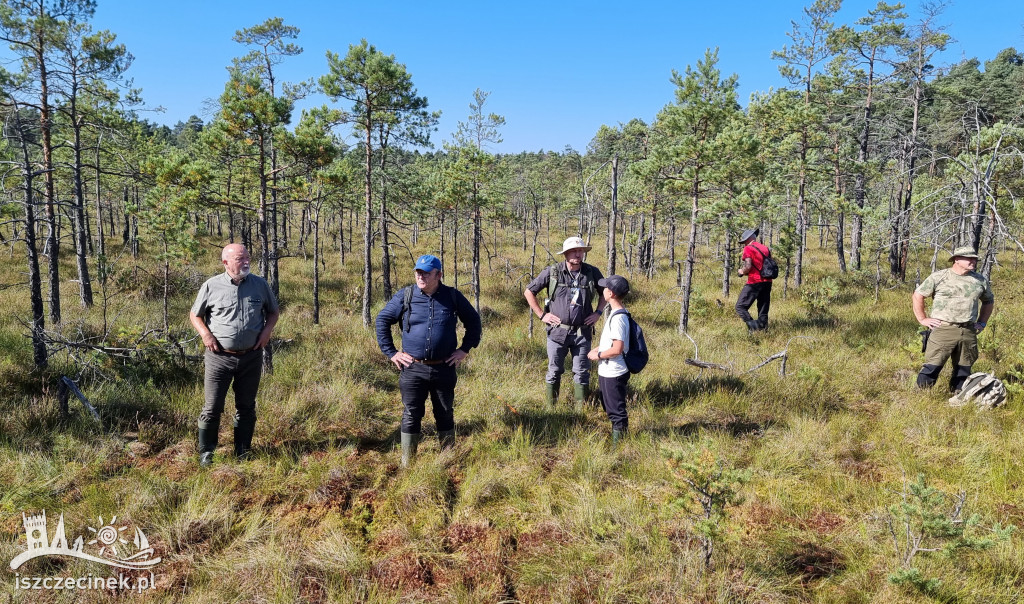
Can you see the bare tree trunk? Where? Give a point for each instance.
(368, 234)
(385, 243)
(79, 224)
(533, 253)
(38, 321)
(801, 213)
(100, 244)
(455, 247)
(614, 215)
(315, 220)
(691, 259)
(727, 263)
(476, 249)
(441, 231)
(990, 249)
(167, 287)
(272, 275)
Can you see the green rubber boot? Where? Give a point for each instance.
(447, 438)
(581, 392)
(551, 394)
(617, 436)
(410, 442)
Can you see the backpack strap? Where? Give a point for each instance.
(767, 253)
(553, 273)
(591, 282)
(586, 270)
(451, 296)
(407, 293)
(406, 307)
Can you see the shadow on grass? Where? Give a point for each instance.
(880, 331)
(820, 322)
(670, 393)
(736, 427)
(375, 371)
(489, 315)
(546, 428)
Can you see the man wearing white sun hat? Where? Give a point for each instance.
(570, 314)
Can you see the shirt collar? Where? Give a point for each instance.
(228, 278)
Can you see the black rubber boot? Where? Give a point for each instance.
(551, 394)
(207, 442)
(447, 438)
(243, 437)
(410, 442)
(752, 325)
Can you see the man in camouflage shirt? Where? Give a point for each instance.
(955, 320)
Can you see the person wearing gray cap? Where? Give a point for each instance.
(427, 313)
(758, 289)
(573, 290)
(610, 354)
(955, 320)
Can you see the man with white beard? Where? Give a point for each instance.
(234, 313)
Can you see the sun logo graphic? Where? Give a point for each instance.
(113, 548)
(107, 536)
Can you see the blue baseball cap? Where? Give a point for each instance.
(426, 262)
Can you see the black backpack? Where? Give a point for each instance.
(637, 356)
(769, 267)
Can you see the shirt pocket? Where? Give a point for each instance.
(221, 307)
(251, 309)
(444, 318)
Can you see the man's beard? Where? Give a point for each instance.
(243, 273)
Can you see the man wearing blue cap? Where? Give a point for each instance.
(427, 313)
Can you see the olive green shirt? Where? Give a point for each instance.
(235, 314)
(956, 296)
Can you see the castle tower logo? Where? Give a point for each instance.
(108, 542)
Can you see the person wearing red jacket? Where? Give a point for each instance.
(757, 289)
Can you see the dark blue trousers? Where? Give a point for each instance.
(613, 392)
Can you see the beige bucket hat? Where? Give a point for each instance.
(574, 243)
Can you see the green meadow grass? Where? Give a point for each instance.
(532, 504)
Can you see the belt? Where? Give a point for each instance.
(572, 328)
(237, 352)
(426, 362)
(951, 324)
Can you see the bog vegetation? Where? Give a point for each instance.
(805, 467)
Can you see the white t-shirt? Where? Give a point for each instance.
(616, 328)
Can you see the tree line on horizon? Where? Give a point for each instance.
(872, 148)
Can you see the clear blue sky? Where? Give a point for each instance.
(556, 70)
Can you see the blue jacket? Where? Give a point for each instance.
(432, 320)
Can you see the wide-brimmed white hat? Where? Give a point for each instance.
(574, 243)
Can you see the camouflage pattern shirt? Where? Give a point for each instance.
(956, 296)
